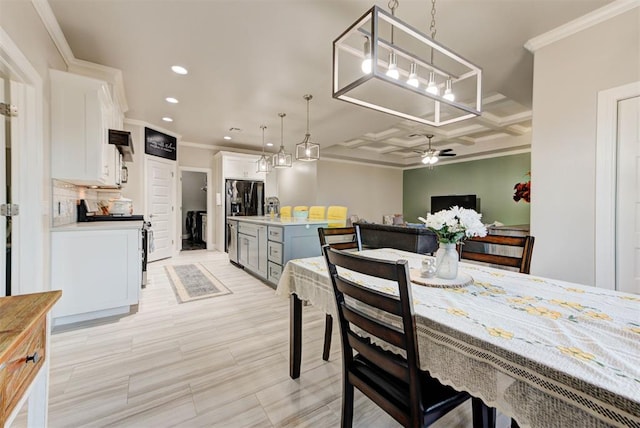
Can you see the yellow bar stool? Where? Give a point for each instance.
(317, 212)
(337, 216)
(285, 211)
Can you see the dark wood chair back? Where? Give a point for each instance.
(394, 383)
(340, 238)
(473, 250)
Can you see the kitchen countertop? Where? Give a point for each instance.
(98, 225)
(276, 221)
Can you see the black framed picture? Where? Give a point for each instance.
(159, 144)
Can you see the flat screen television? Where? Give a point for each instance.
(439, 203)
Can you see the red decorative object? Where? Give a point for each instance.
(522, 191)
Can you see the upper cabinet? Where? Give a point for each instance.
(82, 112)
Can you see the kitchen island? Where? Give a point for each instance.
(265, 244)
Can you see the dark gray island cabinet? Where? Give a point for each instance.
(266, 244)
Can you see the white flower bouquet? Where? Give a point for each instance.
(455, 224)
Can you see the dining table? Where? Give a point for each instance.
(545, 352)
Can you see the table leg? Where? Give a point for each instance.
(483, 415)
(295, 336)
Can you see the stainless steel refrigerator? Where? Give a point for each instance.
(242, 198)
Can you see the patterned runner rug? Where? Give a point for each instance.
(194, 282)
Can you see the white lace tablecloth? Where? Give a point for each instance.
(547, 352)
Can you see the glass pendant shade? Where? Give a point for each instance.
(262, 164)
(282, 159)
(306, 150)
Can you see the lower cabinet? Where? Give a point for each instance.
(252, 248)
(98, 271)
(265, 248)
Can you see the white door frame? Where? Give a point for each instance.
(210, 188)
(606, 162)
(28, 229)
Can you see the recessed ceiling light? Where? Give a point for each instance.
(226, 137)
(171, 100)
(178, 69)
(269, 144)
(167, 119)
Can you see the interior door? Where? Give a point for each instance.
(160, 185)
(5, 222)
(628, 197)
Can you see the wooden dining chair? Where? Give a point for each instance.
(341, 238)
(395, 383)
(509, 251)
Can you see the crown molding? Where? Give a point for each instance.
(142, 123)
(589, 20)
(78, 66)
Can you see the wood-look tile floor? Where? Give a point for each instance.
(219, 362)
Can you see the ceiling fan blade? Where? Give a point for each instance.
(447, 154)
(446, 150)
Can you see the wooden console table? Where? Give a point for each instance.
(24, 355)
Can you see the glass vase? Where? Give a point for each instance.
(446, 261)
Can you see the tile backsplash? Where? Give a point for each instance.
(66, 197)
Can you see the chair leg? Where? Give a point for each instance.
(483, 415)
(514, 424)
(328, 329)
(347, 404)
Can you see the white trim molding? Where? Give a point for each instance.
(606, 164)
(74, 65)
(589, 20)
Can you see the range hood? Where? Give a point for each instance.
(123, 142)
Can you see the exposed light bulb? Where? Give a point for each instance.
(432, 88)
(426, 160)
(307, 152)
(448, 93)
(434, 159)
(413, 76)
(366, 63)
(393, 67)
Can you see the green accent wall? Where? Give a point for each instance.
(491, 180)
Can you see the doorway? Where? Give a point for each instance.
(22, 133)
(195, 208)
(617, 151)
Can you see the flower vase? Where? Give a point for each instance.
(446, 261)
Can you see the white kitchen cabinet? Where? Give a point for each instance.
(82, 112)
(98, 271)
(252, 248)
(242, 168)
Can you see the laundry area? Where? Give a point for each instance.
(194, 210)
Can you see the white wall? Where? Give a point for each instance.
(567, 77)
(367, 191)
(297, 185)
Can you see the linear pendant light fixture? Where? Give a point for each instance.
(263, 164)
(306, 150)
(281, 159)
(409, 75)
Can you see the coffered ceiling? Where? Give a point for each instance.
(248, 60)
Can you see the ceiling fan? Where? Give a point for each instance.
(431, 156)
